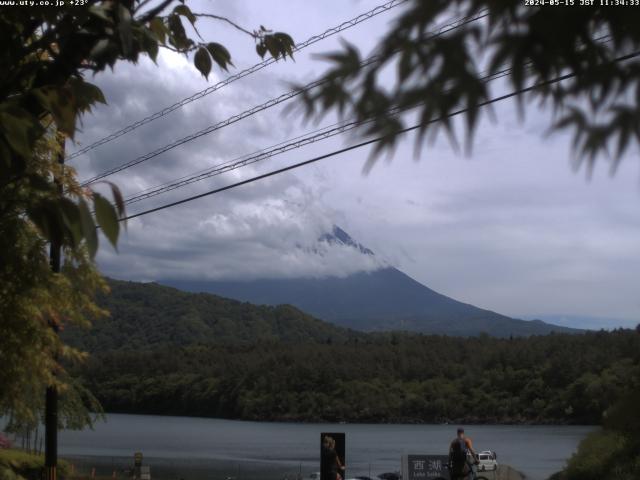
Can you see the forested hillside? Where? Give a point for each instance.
(377, 378)
(148, 315)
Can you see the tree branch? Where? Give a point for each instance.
(186, 50)
(154, 11)
(141, 5)
(230, 22)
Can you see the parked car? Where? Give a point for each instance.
(487, 461)
(389, 476)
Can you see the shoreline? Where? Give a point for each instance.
(387, 421)
(227, 469)
(185, 468)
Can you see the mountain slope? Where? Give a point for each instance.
(148, 315)
(384, 299)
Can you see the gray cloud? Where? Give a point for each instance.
(240, 238)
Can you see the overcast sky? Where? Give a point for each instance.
(512, 227)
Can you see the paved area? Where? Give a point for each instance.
(504, 472)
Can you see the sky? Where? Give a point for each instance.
(512, 227)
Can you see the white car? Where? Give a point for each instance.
(487, 461)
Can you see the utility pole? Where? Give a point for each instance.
(51, 400)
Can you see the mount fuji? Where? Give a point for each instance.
(385, 299)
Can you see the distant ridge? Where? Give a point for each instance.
(381, 300)
(585, 321)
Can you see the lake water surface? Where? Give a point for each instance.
(181, 447)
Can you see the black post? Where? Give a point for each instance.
(51, 433)
(51, 400)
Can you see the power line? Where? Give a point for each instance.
(258, 108)
(244, 160)
(205, 131)
(366, 142)
(282, 147)
(206, 170)
(288, 145)
(248, 71)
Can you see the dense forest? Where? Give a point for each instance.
(164, 351)
(148, 315)
(557, 378)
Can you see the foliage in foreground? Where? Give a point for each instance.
(34, 301)
(46, 54)
(595, 47)
(19, 465)
(378, 378)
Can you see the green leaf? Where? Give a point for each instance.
(64, 112)
(185, 12)
(107, 218)
(101, 49)
(261, 49)
(86, 94)
(61, 102)
(16, 135)
(220, 54)
(150, 43)
(42, 216)
(177, 35)
(117, 197)
(71, 218)
(159, 29)
(286, 43)
(15, 125)
(88, 228)
(124, 30)
(272, 46)
(202, 61)
(277, 44)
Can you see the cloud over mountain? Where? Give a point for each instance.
(273, 235)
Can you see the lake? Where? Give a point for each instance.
(198, 448)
